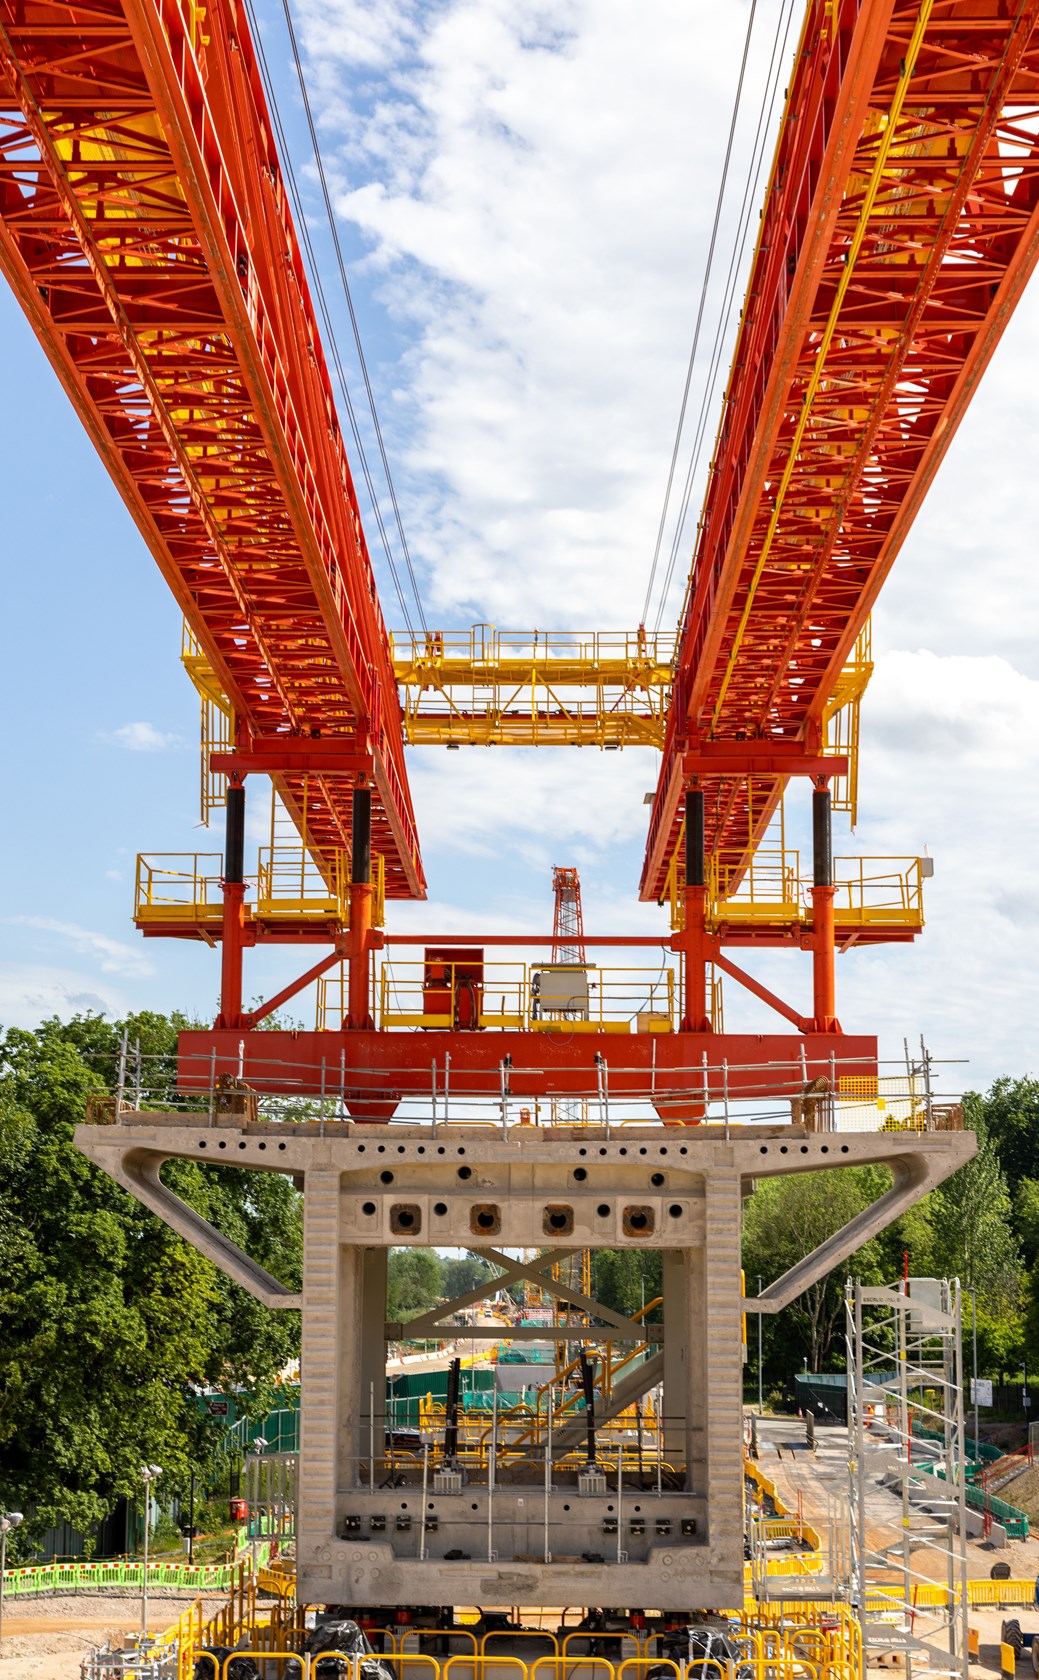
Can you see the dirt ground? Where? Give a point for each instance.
(47, 1638)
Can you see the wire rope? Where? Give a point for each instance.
(750, 197)
(331, 340)
(718, 206)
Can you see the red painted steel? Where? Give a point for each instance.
(951, 135)
(377, 1069)
(145, 230)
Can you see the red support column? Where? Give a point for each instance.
(694, 942)
(824, 1005)
(358, 1014)
(233, 888)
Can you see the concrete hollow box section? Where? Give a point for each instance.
(386, 1523)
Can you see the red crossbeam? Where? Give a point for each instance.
(900, 227)
(145, 230)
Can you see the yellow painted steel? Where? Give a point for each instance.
(178, 887)
(870, 893)
(216, 722)
(620, 1000)
(841, 722)
(487, 687)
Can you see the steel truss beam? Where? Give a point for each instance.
(899, 230)
(145, 230)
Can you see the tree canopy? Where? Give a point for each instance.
(108, 1320)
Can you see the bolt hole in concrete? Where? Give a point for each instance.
(580, 1173)
(603, 1210)
(557, 1221)
(385, 1178)
(406, 1219)
(368, 1208)
(440, 1208)
(675, 1210)
(465, 1172)
(638, 1221)
(486, 1220)
(656, 1178)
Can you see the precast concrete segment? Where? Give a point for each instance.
(372, 1530)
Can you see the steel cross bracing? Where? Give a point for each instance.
(145, 230)
(899, 229)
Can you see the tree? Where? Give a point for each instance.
(108, 1320)
(1009, 1114)
(785, 1220)
(461, 1274)
(415, 1282)
(974, 1240)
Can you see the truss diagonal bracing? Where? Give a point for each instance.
(908, 1472)
(145, 230)
(900, 226)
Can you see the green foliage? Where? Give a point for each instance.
(107, 1319)
(1009, 1114)
(785, 1220)
(414, 1283)
(467, 1272)
(626, 1279)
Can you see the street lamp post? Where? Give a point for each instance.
(761, 1403)
(974, 1339)
(259, 1446)
(13, 1519)
(149, 1474)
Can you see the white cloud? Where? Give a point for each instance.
(535, 186)
(141, 737)
(534, 189)
(30, 993)
(111, 955)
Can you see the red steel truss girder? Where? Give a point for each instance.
(145, 231)
(384, 1066)
(775, 601)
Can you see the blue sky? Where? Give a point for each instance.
(525, 211)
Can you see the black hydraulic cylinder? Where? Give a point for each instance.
(588, 1385)
(822, 838)
(695, 855)
(234, 835)
(454, 1375)
(361, 838)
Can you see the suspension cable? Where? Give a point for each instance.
(303, 231)
(719, 202)
(750, 198)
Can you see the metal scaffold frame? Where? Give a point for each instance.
(905, 1417)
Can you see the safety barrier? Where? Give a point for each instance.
(1007, 1658)
(102, 1577)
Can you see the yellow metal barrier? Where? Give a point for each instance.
(179, 887)
(973, 1642)
(518, 996)
(1007, 1658)
(531, 688)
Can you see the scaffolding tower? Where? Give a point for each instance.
(908, 1472)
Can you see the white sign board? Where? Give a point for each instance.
(981, 1391)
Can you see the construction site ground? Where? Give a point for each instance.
(47, 1638)
(820, 1475)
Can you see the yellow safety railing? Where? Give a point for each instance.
(483, 686)
(513, 996)
(216, 722)
(178, 887)
(289, 883)
(841, 722)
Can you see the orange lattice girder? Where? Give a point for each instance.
(145, 230)
(900, 227)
